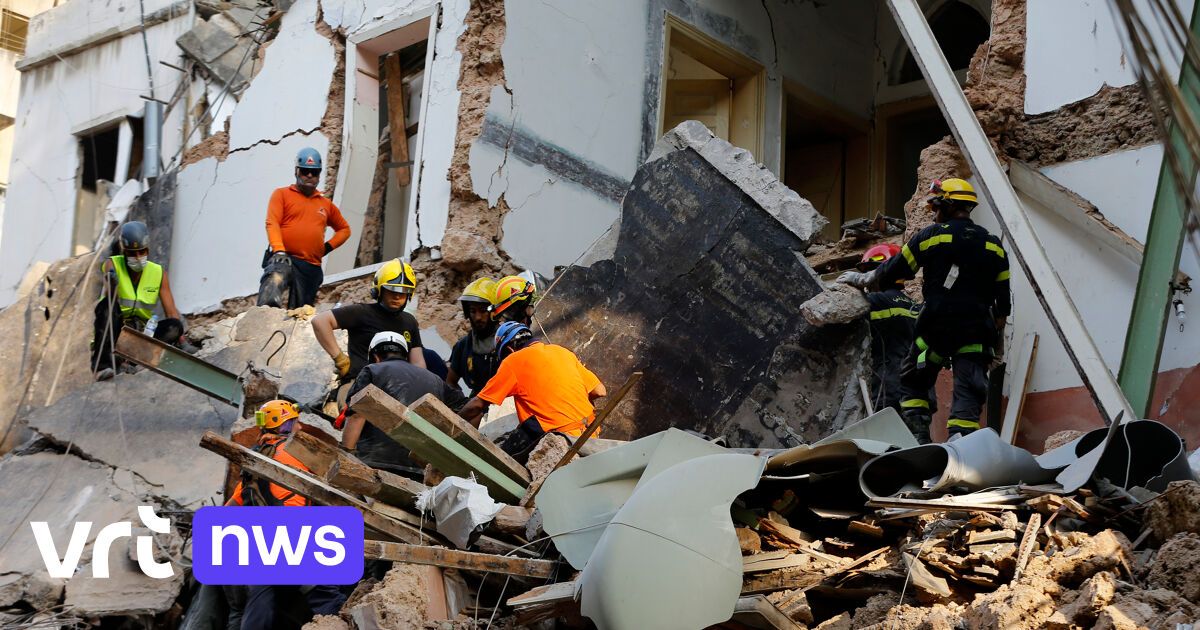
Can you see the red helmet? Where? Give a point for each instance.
(876, 256)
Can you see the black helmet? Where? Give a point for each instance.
(134, 235)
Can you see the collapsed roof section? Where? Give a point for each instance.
(701, 223)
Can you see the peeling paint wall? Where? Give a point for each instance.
(580, 107)
(72, 95)
(1074, 49)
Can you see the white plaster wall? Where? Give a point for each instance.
(220, 221)
(1101, 283)
(60, 99)
(1073, 48)
(291, 91)
(74, 21)
(575, 72)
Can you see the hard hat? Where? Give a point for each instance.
(395, 275)
(514, 335)
(482, 291)
(134, 235)
(513, 293)
(954, 189)
(308, 158)
(876, 256)
(274, 413)
(388, 341)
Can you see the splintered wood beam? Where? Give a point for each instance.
(397, 490)
(432, 445)
(452, 559)
(394, 75)
(306, 485)
(436, 412)
(333, 465)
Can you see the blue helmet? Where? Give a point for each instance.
(514, 335)
(308, 157)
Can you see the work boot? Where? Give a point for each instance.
(918, 424)
(105, 374)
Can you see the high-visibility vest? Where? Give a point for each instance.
(138, 302)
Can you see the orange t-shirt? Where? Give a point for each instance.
(296, 224)
(283, 457)
(548, 383)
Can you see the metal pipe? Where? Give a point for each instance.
(152, 144)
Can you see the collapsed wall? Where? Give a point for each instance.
(699, 284)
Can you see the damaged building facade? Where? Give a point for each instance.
(524, 126)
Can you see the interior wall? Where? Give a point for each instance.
(1101, 283)
(66, 97)
(1073, 49)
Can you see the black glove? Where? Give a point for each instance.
(281, 258)
(328, 248)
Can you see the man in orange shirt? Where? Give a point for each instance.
(297, 217)
(552, 389)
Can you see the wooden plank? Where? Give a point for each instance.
(350, 474)
(394, 76)
(430, 444)
(545, 602)
(317, 456)
(923, 579)
(304, 484)
(453, 559)
(439, 415)
(771, 583)
(592, 428)
(1016, 397)
(751, 564)
(512, 521)
(397, 490)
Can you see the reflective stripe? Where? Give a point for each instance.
(975, 347)
(914, 403)
(926, 354)
(134, 304)
(892, 312)
(1003, 275)
(937, 240)
(908, 256)
(966, 424)
(995, 248)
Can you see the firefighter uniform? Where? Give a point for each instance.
(965, 290)
(893, 321)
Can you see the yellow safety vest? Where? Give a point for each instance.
(137, 303)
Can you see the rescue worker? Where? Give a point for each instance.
(390, 371)
(473, 358)
(263, 609)
(391, 289)
(138, 286)
(297, 217)
(514, 300)
(552, 389)
(893, 318)
(966, 305)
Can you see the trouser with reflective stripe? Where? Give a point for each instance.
(919, 372)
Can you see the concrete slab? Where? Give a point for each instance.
(701, 288)
(127, 591)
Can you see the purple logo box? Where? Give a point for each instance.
(277, 545)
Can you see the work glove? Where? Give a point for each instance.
(342, 363)
(328, 248)
(858, 279)
(281, 258)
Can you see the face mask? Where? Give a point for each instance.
(136, 264)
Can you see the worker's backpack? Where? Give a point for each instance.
(256, 490)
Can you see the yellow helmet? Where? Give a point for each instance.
(481, 290)
(274, 413)
(512, 291)
(394, 275)
(954, 189)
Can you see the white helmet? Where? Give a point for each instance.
(382, 341)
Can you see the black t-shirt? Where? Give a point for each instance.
(363, 321)
(476, 369)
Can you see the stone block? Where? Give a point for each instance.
(839, 304)
(701, 288)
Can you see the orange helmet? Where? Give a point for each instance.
(274, 413)
(876, 256)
